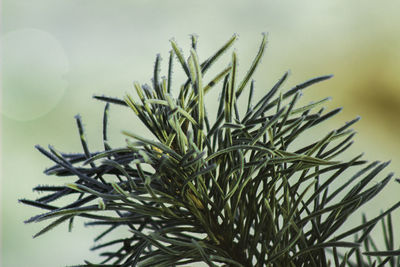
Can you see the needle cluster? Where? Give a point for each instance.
(226, 190)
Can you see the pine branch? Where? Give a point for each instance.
(227, 192)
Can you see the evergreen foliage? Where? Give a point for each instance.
(228, 190)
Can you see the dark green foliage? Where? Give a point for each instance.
(228, 191)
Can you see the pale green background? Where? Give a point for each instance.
(57, 54)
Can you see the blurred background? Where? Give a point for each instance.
(57, 54)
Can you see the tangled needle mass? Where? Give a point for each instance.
(226, 191)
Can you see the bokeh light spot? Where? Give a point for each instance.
(34, 69)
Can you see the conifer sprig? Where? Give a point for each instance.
(227, 191)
